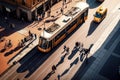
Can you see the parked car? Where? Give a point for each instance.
(100, 14)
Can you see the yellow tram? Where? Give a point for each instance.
(64, 25)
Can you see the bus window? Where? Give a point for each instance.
(44, 43)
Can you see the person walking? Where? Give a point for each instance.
(35, 36)
(6, 19)
(53, 68)
(58, 77)
(22, 42)
(9, 43)
(64, 48)
(77, 45)
(61, 10)
(29, 32)
(22, 19)
(65, 3)
(68, 50)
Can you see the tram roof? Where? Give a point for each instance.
(63, 21)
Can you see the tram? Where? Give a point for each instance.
(63, 26)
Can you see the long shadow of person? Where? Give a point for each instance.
(11, 51)
(82, 55)
(85, 52)
(59, 76)
(48, 76)
(62, 60)
(74, 62)
(74, 51)
(92, 28)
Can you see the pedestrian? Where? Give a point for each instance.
(22, 19)
(58, 77)
(67, 50)
(25, 39)
(38, 18)
(86, 60)
(9, 43)
(64, 48)
(35, 36)
(65, 3)
(31, 35)
(29, 32)
(77, 44)
(61, 11)
(5, 45)
(18, 79)
(43, 14)
(53, 68)
(22, 42)
(6, 19)
(48, 13)
(13, 25)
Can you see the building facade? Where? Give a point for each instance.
(26, 9)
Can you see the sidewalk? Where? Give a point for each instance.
(10, 55)
(103, 55)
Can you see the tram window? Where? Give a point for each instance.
(59, 35)
(44, 43)
(72, 24)
(86, 13)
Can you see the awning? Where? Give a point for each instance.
(7, 5)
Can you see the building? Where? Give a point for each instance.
(26, 9)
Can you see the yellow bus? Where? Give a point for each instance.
(100, 14)
(63, 26)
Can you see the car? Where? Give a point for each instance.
(100, 14)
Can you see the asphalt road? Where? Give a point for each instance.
(36, 66)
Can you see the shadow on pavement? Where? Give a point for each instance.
(48, 75)
(12, 51)
(7, 28)
(92, 28)
(25, 47)
(109, 67)
(93, 3)
(61, 60)
(84, 67)
(113, 71)
(2, 50)
(73, 63)
(35, 58)
(74, 51)
(31, 61)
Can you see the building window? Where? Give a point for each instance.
(13, 0)
(23, 2)
(33, 2)
(39, 0)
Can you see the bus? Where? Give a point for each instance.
(100, 14)
(63, 26)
